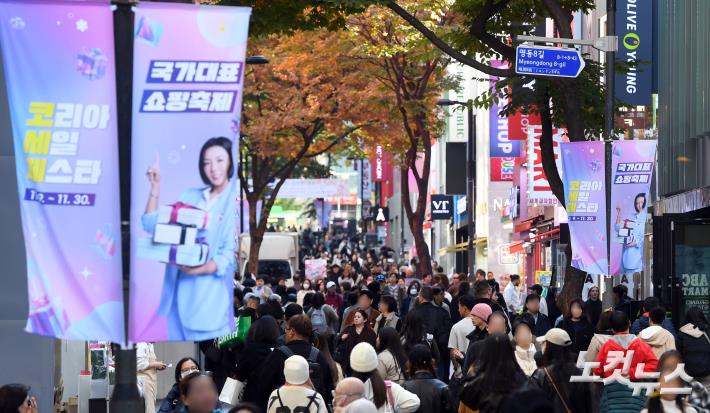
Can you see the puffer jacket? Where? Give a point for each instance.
(642, 323)
(695, 348)
(434, 395)
(619, 398)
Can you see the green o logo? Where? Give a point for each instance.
(632, 41)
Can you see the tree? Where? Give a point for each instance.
(481, 33)
(412, 70)
(310, 99)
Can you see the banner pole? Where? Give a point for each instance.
(125, 397)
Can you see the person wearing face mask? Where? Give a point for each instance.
(306, 289)
(183, 368)
(410, 299)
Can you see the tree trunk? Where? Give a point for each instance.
(255, 236)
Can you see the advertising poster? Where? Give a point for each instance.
(539, 192)
(316, 268)
(585, 199)
(502, 169)
(187, 92)
(634, 28)
(631, 171)
(500, 144)
(59, 64)
(692, 264)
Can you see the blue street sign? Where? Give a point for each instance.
(548, 61)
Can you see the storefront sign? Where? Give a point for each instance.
(378, 165)
(631, 172)
(187, 93)
(692, 261)
(60, 68)
(518, 124)
(634, 25)
(585, 198)
(502, 169)
(539, 192)
(442, 206)
(501, 145)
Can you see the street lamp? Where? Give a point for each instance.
(470, 178)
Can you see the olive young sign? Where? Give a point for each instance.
(634, 26)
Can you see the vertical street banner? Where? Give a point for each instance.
(59, 64)
(187, 93)
(503, 150)
(634, 28)
(584, 179)
(631, 172)
(539, 192)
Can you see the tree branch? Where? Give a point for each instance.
(478, 28)
(444, 47)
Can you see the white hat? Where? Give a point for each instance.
(296, 370)
(361, 406)
(556, 336)
(330, 284)
(363, 358)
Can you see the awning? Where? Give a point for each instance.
(460, 247)
(516, 247)
(546, 236)
(684, 202)
(523, 226)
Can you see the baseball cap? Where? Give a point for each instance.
(556, 336)
(330, 284)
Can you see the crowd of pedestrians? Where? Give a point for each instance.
(369, 336)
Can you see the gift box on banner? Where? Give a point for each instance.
(187, 255)
(182, 214)
(174, 234)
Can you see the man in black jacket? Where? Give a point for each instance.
(298, 340)
(437, 322)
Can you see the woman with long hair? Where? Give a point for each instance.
(387, 396)
(261, 338)
(323, 343)
(603, 333)
(669, 402)
(410, 298)
(359, 332)
(414, 334)
(577, 325)
(497, 375)
(434, 394)
(392, 359)
(694, 344)
(558, 365)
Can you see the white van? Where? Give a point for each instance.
(278, 255)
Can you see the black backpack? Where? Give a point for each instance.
(299, 409)
(315, 372)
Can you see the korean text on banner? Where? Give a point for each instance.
(631, 171)
(59, 63)
(585, 199)
(500, 144)
(539, 191)
(187, 92)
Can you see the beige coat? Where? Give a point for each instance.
(597, 342)
(388, 367)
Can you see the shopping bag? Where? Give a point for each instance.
(232, 392)
(238, 336)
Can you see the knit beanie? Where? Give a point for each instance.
(482, 311)
(363, 358)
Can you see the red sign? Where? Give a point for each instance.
(502, 169)
(518, 124)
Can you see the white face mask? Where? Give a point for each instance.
(187, 373)
(413, 291)
(306, 286)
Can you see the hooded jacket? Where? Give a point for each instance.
(695, 348)
(625, 342)
(642, 323)
(658, 338)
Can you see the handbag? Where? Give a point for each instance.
(238, 336)
(340, 353)
(232, 392)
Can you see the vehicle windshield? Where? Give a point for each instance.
(275, 268)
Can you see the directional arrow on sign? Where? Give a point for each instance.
(548, 61)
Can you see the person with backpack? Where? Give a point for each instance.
(386, 395)
(297, 395)
(693, 343)
(299, 336)
(323, 317)
(359, 332)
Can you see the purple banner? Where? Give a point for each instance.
(631, 171)
(187, 93)
(59, 63)
(501, 145)
(585, 199)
